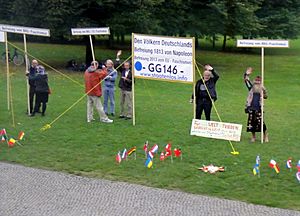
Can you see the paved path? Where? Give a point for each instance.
(35, 192)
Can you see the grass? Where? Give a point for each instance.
(163, 114)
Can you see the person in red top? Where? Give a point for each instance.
(93, 77)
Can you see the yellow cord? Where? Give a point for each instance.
(48, 126)
(44, 63)
(234, 152)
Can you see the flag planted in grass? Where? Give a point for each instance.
(154, 148)
(149, 162)
(289, 164)
(11, 142)
(118, 157)
(256, 170)
(124, 154)
(3, 135)
(274, 166)
(177, 152)
(21, 135)
(132, 150)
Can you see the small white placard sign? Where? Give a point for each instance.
(90, 31)
(2, 39)
(25, 30)
(263, 43)
(217, 130)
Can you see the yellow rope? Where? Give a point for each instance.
(234, 152)
(48, 126)
(44, 63)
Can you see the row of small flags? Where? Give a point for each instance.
(274, 165)
(11, 141)
(149, 154)
(123, 156)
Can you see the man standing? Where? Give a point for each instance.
(93, 77)
(205, 90)
(125, 85)
(31, 81)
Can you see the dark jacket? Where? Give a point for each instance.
(32, 75)
(210, 84)
(41, 83)
(126, 84)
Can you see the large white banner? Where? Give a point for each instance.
(217, 130)
(2, 39)
(25, 30)
(263, 43)
(90, 31)
(164, 58)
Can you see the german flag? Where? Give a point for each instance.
(130, 151)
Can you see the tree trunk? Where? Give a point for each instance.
(122, 39)
(196, 41)
(214, 41)
(224, 43)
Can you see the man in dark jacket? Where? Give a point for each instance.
(31, 81)
(41, 90)
(125, 85)
(205, 87)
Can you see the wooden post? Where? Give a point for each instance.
(26, 72)
(92, 47)
(7, 72)
(262, 97)
(132, 90)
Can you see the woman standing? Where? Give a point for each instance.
(257, 92)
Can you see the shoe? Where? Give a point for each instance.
(43, 114)
(107, 120)
(127, 117)
(121, 116)
(253, 139)
(106, 113)
(112, 114)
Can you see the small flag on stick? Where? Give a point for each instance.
(11, 142)
(21, 135)
(118, 158)
(131, 151)
(289, 164)
(148, 163)
(274, 166)
(146, 148)
(256, 170)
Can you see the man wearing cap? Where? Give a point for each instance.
(257, 92)
(93, 77)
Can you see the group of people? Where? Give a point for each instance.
(205, 95)
(93, 77)
(38, 88)
(205, 92)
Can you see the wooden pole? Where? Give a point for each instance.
(7, 71)
(262, 97)
(132, 69)
(92, 47)
(27, 72)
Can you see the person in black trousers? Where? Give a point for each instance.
(42, 90)
(31, 81)
(205, 90)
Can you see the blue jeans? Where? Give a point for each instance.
(109, 93)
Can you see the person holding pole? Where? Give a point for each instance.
(93, 77)
(205, 92)
(42, 90)
(109, 85)
(257, 92)
(125, 85)
(31, 81)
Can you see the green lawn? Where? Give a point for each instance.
(163, 114)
